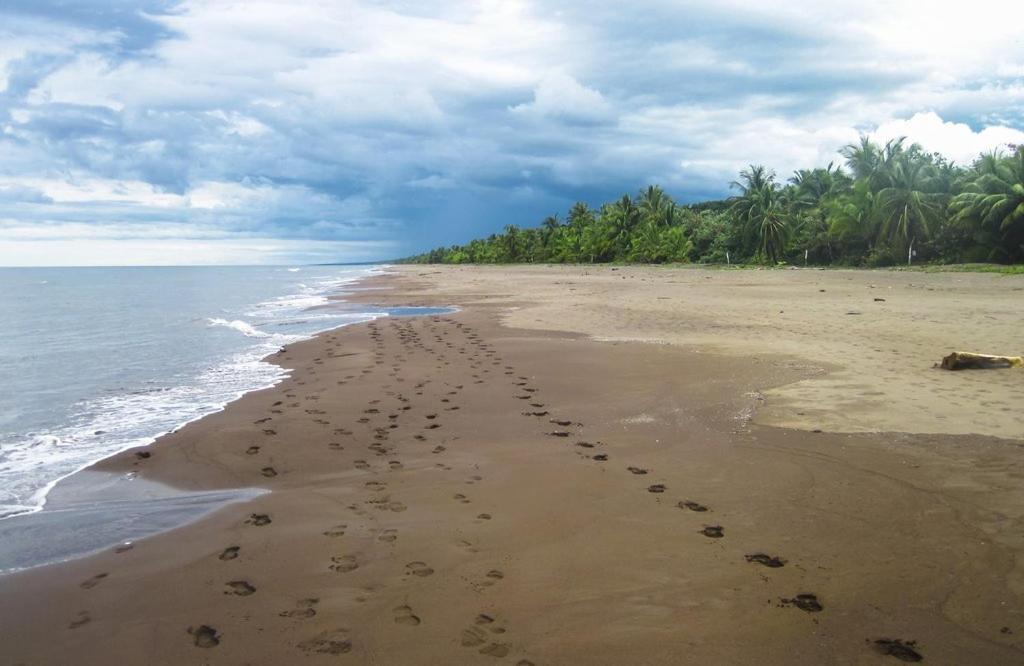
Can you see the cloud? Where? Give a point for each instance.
(956, 141)
(559, 95)
(415, 124)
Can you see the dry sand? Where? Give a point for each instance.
(520, 483)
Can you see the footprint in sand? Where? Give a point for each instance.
(656, 488)
(560, 423)
(713, 531)
(394, 464)
(240, 588)
(336, 531)
(419, 569)
(559, 433)
(692, 506)
(360, 464)
(601, 457)
(492, 577)
(343, 563)
(388, 536)
(461, 498)
(329, 642)
(895, 647)
(479, 635)
(637, 470)
(404, 615)
(229, 553)
(766, 560)
(252, 450)
(805, 602)
(484, 516)
(258, 519)
(83, 618)
(92, 582)
(304, 609)
(204, 636)
(268, 472)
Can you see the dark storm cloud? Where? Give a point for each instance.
(427, 123)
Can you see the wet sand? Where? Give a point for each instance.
(497, 486)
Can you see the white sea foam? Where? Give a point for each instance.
(242, 327)
(32, 463)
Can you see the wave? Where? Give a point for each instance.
(242, 327)
(32, 463)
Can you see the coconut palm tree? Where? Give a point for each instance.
(911, 206)
(761, 210)
(623, 216)
(994, 201)
(550, 227)
(511, 241)
(867, 161)
(580, 215)
(653, 203)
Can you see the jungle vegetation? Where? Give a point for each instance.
(885, 204)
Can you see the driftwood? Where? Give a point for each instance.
(969, 361)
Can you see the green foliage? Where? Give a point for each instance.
(891, 200)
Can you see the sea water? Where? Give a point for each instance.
(97, 360)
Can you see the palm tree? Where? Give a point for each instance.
(851, 216)
(910, 207)
(511, 239)
(623, 216)
(550, 225)
(761, 210)
(653, 203)
(580, 215)
(862, 158)
(869, 162)
(811, 191)
(995, 200)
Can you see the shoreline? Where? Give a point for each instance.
(360, 511)
(105, 499)
(118, 441)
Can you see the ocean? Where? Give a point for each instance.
(97, 360)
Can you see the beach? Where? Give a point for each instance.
(587, 465)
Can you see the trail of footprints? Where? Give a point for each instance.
(568, 428)
(380, 420)
(376, 424)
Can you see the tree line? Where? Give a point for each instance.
(887, 204)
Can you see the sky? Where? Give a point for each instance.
(305, 131)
